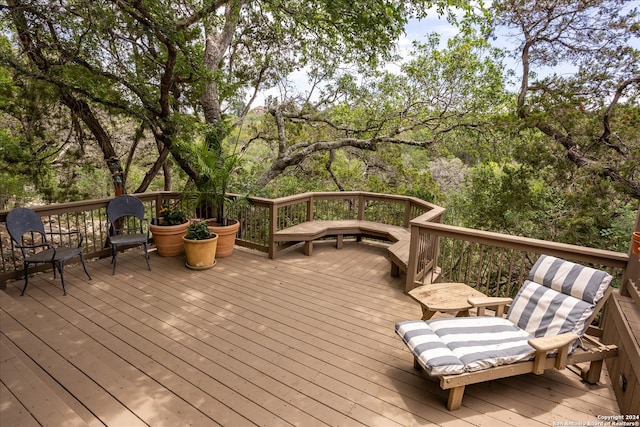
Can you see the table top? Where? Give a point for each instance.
(445, 296)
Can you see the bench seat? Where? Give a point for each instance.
(309, 231)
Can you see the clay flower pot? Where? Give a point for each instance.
(200, 254)
(168, 238)
(226, 236)
(635, 243)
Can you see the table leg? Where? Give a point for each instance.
(427, 314)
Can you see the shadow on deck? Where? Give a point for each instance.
(294, 341)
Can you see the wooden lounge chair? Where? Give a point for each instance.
(548, 325)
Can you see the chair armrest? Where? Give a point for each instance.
(483, 302)
(68, 233)
(553, 342)
(39, 245)
(543, 345)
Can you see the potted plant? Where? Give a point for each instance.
(210, 190)
(200, 246)
(168, 230)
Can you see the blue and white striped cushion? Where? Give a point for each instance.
(558, 297)
(455, 345)
(542, 311)
(572, 279)
(432, 353)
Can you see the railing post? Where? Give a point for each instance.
(407, 213)
(310, 207)
(273, 223)
(361, 203)
(412, 266)
(158, 205)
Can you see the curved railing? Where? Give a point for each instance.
(493, 263)
(260, 218)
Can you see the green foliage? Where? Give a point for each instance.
(198, 230)
(172, 214)
(215, 164)
(499, 197)
(130, 80)
(617, 234)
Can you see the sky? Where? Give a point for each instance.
(415, 30)
(418, 30)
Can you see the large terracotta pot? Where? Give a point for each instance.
(635, 243)
(200, 254)
(226, 236)
(168, 238)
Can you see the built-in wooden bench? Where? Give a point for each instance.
(309, 231)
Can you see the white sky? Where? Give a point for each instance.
(418, 30)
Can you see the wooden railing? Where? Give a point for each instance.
(88, 217)
(491, 262)
(259, 219)
(382, 208)
(494, 263)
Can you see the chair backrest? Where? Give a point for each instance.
(123, 206)
(558, 297)
(23, 220)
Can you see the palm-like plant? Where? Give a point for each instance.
(215, 169)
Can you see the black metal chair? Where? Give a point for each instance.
(28, 234)
(126, 226)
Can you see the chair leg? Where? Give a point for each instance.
(114, 253)
(84, 266)
(591, 374)
(455, 398)
(26, 278)
(146, 255)
(61, 267)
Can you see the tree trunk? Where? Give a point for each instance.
(216, 45)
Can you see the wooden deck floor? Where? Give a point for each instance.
(305, 341)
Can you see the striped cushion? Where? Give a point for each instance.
(543, 312)
(457, 345)
(558, 297)
(433, 354)
(572, 279)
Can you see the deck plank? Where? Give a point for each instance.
(293, 341)
(13, 413)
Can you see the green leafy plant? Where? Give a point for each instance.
(215, 168)
(172, 214)
(198, 230)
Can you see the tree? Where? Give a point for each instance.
(439, 95)
(161, 64)
(590, 113)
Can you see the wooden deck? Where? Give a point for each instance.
(305, 341)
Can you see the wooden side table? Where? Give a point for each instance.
(444, 298)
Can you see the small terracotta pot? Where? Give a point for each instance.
(200, 254)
